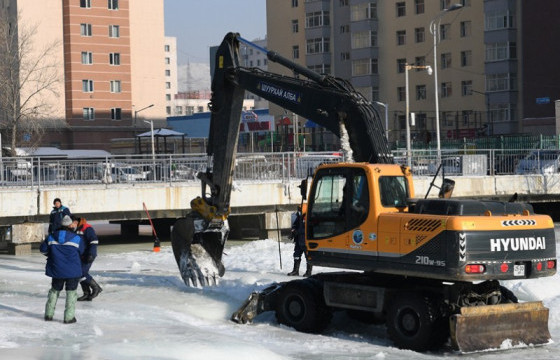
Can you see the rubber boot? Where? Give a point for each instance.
(70, 308)
(308, 271)
(87, 292)
(95, 289)
(295, 271)
(51, 304)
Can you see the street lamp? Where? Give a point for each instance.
(434, 25)
(137, 111)
(151, 122)
(407, 67)
(386, 106)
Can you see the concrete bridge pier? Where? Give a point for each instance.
(19, 237)
(275, 222)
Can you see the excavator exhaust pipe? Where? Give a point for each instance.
(500, 326)
(198, 250)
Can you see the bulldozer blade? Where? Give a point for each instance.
(198, 252)
(496, 327)
(247, 312)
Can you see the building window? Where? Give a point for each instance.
(294, 3)
(497, 20)
(467, 115)
(344, 29)
(318, 45)
(419, 6)
(444, 4)
(178, 110)
(85, 3)
(448, 118)
(85, 29)
(446, 89)
(444, 31)
(114, 31)
(364, 67)
(200, 109)
(88, 113)
(466, 28)
(344, 56)
(87, 57)
(420, 61)
(167, 72)
(115, 86)
(113, 4)
(190, 110)
(167, 48)
(87, 86)
(321, 68)
(401, 37)
(343, 3)
(295, 52)
(116, 114)
(167, 97)
(419, 35)
(114, 58)
(401, 9)
(445, 60)
(466, 88)
(167, 61)
(295, 26)
(501, 51)
(317, 19)
(466, 3)
(500, 82)
(420, 92)
(401, 63)
(364, 39)
(167, 85)
(401, 93)
(502, 112)
(363, 11)
(168, 110)
(466, 58)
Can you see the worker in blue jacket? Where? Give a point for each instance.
(63, 249)
(90, 287)
(57, 213)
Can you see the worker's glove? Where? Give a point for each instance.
(292, 235)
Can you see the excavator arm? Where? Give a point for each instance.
(332, 103)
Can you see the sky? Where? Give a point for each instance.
(145, 311)
(200, 24)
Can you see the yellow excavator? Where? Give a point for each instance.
(429, 268)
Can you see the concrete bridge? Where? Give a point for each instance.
(258, 207)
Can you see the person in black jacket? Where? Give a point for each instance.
(63, 249)
(57, 213)
(298, 235)
(90, 287)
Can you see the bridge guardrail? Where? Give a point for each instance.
(285, 166)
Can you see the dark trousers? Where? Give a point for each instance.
(298, 250)
(85, 272)
(71, 284)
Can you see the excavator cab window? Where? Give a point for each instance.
(393, 191)
(339, 201)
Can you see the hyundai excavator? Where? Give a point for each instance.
(428, 268)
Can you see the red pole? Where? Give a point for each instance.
(156, 240)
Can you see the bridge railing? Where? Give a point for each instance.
(33, 171)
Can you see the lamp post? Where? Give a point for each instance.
(407, 67)
(137, 111)
(386, 106)
(151, 122)
(434, 24)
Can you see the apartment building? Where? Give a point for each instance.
(493, 77)
(171, 73)
(111, 61)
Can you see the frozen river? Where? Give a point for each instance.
(146, 312)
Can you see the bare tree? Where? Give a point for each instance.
(29, 81)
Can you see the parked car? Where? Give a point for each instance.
(540, 162)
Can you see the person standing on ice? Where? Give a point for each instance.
(298, 235)
(90, 287)
(63, 249)
(57, 213)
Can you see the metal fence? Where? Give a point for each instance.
(28, 171)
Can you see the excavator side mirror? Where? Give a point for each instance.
(446, 189)
(303, 189)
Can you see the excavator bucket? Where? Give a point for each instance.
(198, 251)
(499, 326)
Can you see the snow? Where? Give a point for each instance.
(146, 312)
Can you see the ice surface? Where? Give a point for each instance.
(146, 312)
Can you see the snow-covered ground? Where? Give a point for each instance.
(146, 312)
